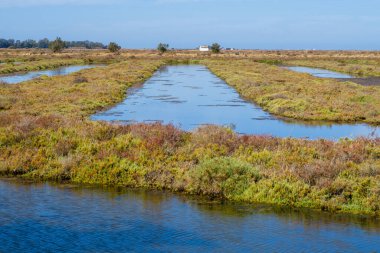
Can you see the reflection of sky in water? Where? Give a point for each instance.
(18, 78)
(46, 218)
(319, 72)
(189, 96)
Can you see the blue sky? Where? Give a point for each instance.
(251, 24)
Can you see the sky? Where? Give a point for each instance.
(245, 24)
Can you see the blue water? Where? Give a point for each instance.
(190, 96)
(18, 78)
(46, 218)
(319, 72)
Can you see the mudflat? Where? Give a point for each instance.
(366, 81)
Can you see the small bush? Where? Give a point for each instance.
(63, 147)
(57, 45)
(80, 79)
(217, 135)
(215, 48)
(223, 177)
(6, 102)
(162, 47)
(114, 47)
(156, 136)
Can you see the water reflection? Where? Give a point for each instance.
(42, 217)
(190, 96)
(18, 78)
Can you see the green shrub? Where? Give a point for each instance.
(215, 48)
(162, 47)
(223, 177)
(114, 47)
(57, 45)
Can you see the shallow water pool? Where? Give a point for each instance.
(189, 96)
(18, 78)
(322, 73)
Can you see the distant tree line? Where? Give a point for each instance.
(44, 43)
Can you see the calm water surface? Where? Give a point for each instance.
(18, 78)
(319, 72)
(46, 218)
(190, 96)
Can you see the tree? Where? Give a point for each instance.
(6, 43)
(113, 47)
(215, 48)
(57, 45)
(44, 43)
(163, 47)
(28, 44)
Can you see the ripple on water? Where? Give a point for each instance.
(44, 218)
(194, 96)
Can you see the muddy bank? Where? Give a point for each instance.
(366, 81)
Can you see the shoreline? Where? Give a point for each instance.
(212, 161)
(196, 197)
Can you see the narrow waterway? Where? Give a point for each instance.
(18, 78)
(189, 96)
(67, 218)
(322, 73)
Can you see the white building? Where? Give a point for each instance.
(204, 48)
